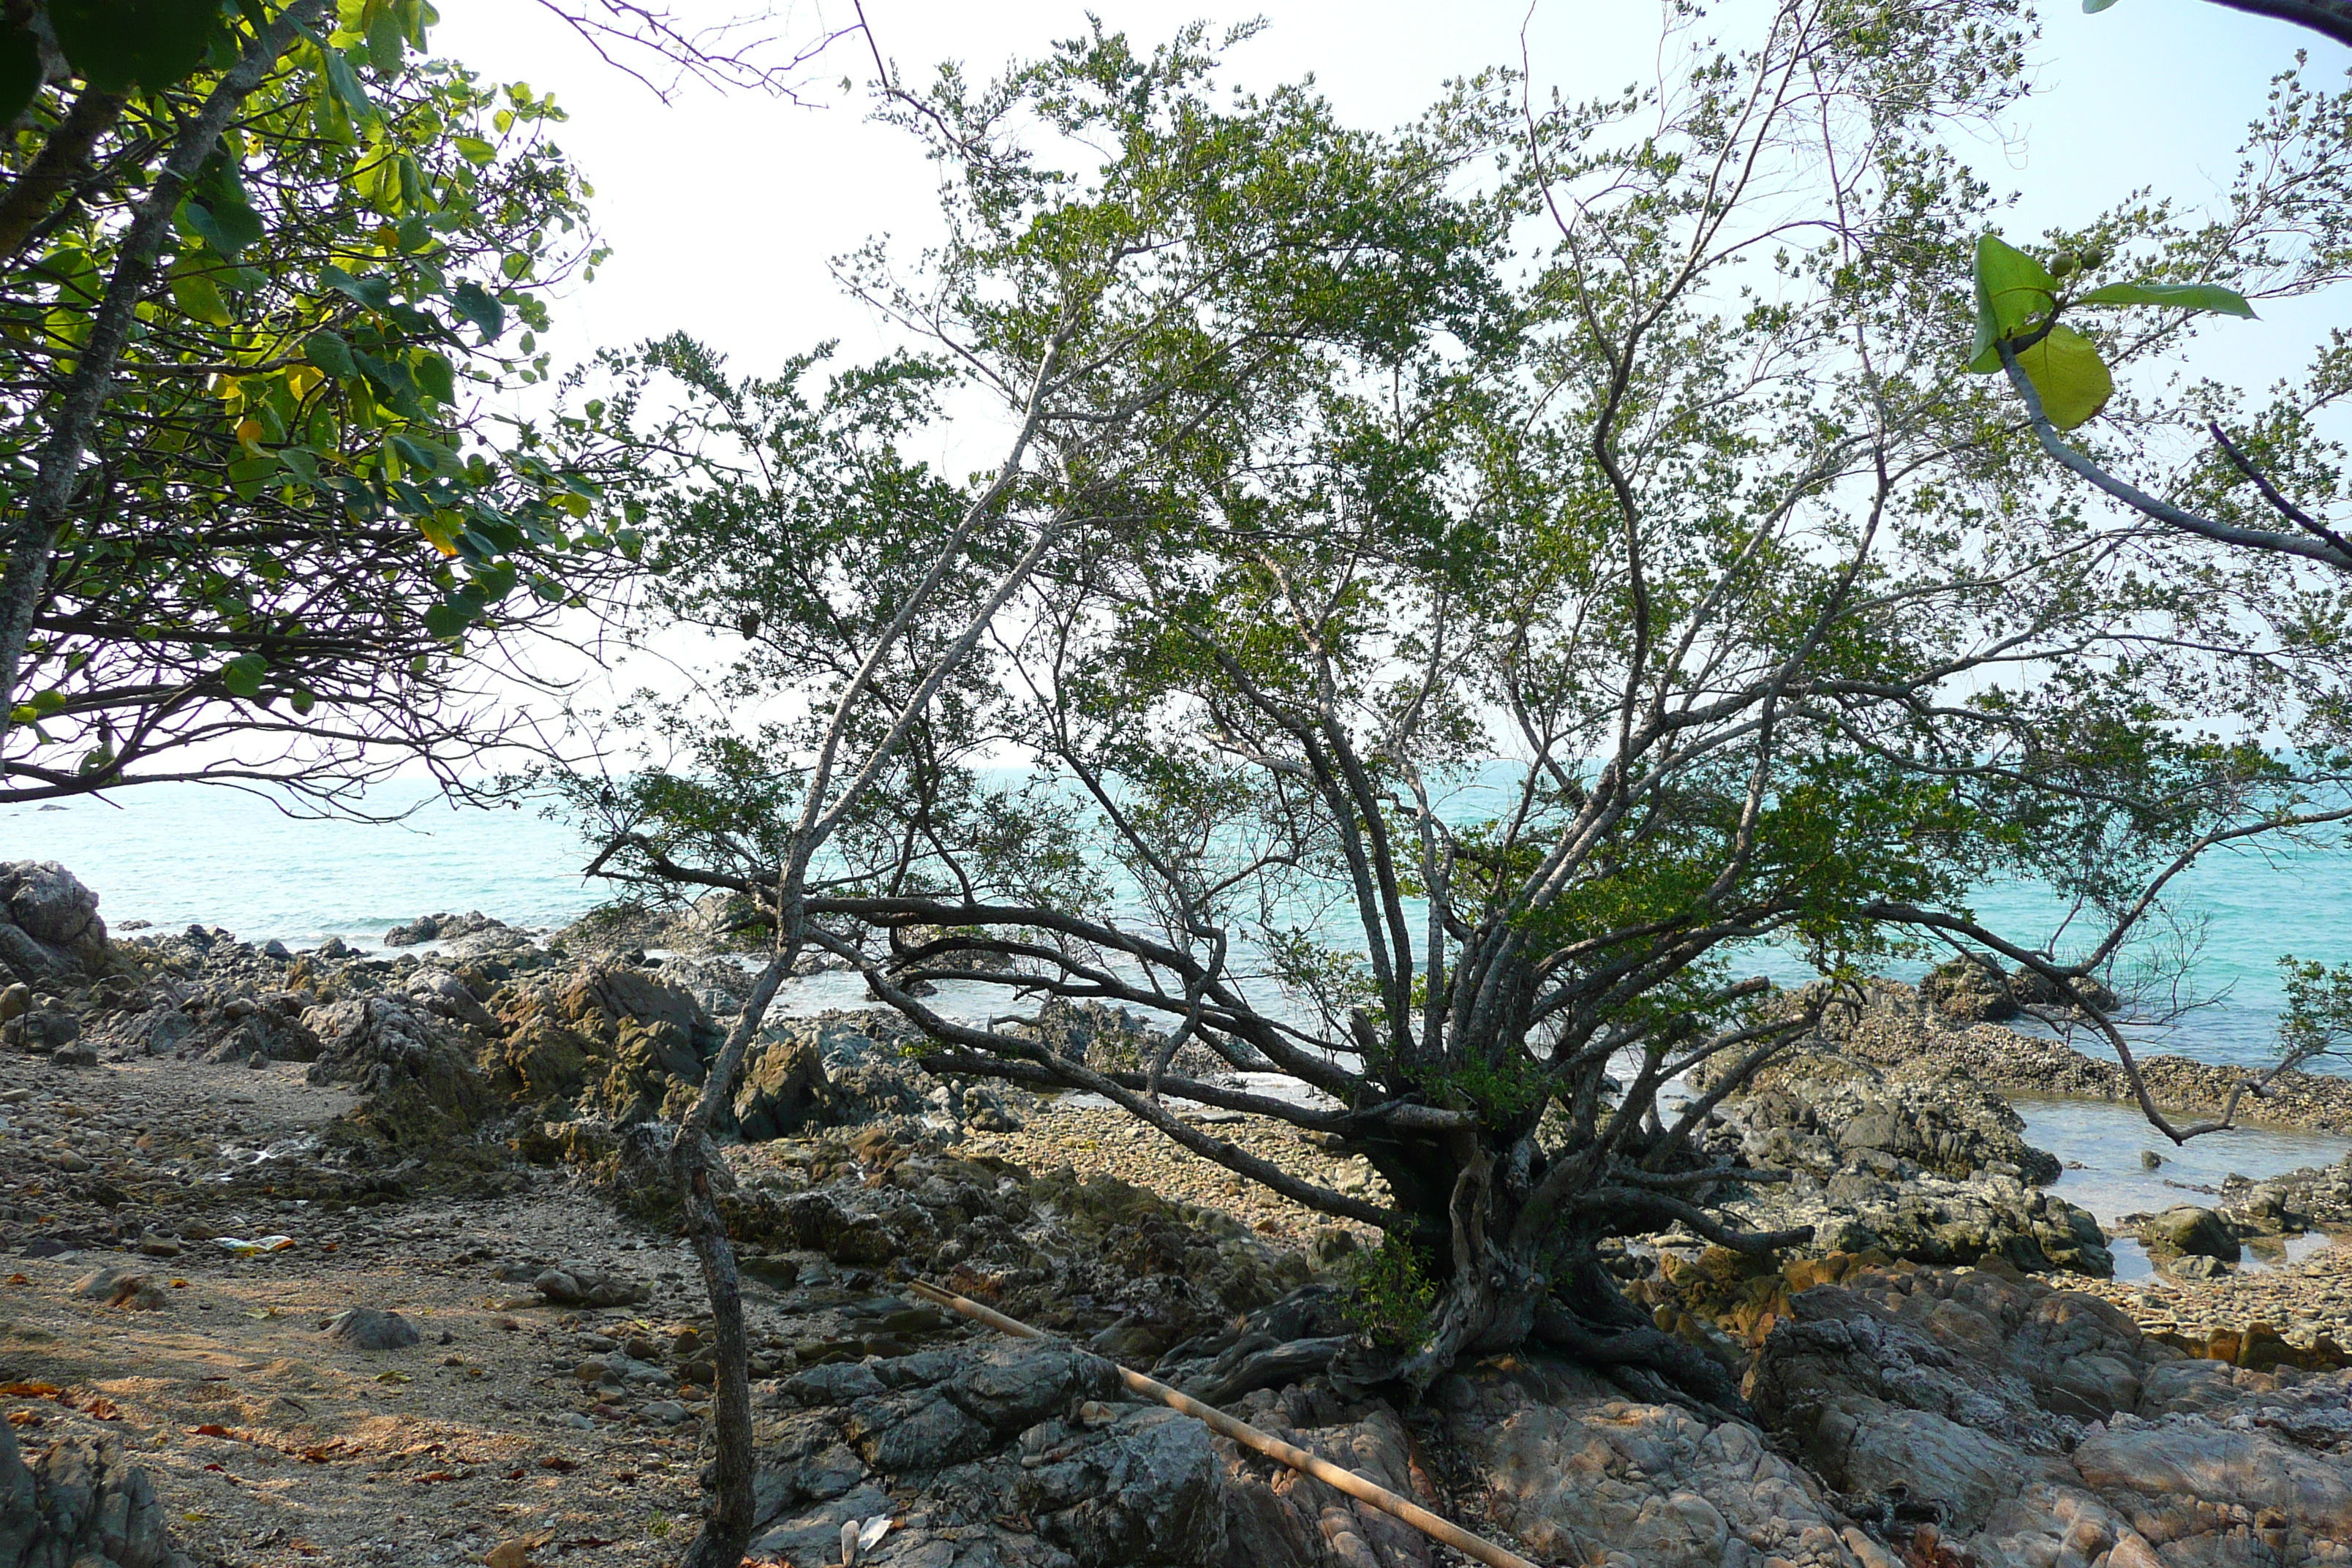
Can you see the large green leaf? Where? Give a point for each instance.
(2178, 296)
(2013, 292)
(116, 43)
(242, 675)
(479, 306)
(195, 295)
(2068, 373)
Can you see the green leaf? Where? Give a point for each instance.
(195, 295)
(20, 72)
(419, 453)
(227, 225)
(2179, 296)
(434, 376)
(384, 43)
(346, 83)
(2093, 8)
(44, 703)
(445, 620)
(479, 306)
(304, 700)
(330, 353)
(114, 43)
(474, 149)
(2068, 373)
(242, 675)
(2013, 292)
(375, 292)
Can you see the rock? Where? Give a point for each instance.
(668, 1412)
(15, 1000)
(414, 1072)
(78, 1502)
(783, 1090)
(278, 950)
(1917, 1162)
(370, 1329)
(49, 924)
(1970, 988)
(1111, 1039)
(609, 1040)
(130, 1288)
(443, 927)
(42, 1031)
(577, 1284)
(2192, 1231)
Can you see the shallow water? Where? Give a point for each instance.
(2101, 1143)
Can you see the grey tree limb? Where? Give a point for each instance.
(29, 536)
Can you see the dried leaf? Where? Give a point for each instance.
(31, 1390)
(103, 1409)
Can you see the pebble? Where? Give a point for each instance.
(668, 1412)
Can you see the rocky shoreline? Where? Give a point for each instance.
(298, 1232)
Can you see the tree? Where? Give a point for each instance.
(1124, 325)
(1446, 725)
(273, 562)
(263, 280)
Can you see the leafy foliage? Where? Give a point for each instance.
(306, 502)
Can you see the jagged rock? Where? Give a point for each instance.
(611, 1040)
(78, 1502)
(415, 1073)
(1112, 1039)
(783, 1090)
(443, 927)
(371, 1329)
(49, 924)
(1917, 1163)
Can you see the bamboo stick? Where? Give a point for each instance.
(1249, 1437)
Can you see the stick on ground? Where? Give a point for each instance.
(1249, 1437)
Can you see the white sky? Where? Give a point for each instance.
(723, 211)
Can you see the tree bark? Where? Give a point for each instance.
(727, 1512)
(64, 158)
(32, 534)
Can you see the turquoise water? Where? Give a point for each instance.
(177, 854)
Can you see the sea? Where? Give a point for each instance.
(172, 855)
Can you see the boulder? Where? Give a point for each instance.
(1969, 989)
(783, 1090)
(49, 924)
(609, 1040)
(2191, 1232)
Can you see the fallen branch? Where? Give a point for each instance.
(1249, 1437)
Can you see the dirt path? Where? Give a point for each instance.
(273, 1444)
